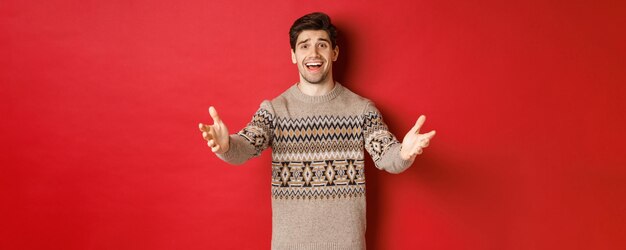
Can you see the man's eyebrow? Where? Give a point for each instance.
(304, 41)
(324, 39)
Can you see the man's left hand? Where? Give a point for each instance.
(414, 142)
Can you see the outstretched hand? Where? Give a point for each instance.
(216, 135)
(414, 142)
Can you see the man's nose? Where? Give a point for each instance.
(315, 51)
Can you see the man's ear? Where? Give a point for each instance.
(335, 53)
(293, 57)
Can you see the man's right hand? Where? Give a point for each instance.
(216, 135)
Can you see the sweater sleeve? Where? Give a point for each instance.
(255, 137)
(381, 144)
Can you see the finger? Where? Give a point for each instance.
(211, 143)
(424, 141)
(418, 124)
(430, 134)
(208, 134)
(412, 156)
(202, 127)
(214, 115)
(416, 151)
(212, 132)
(213, 147)
(416, 147)
(205, 136)
(205, 128)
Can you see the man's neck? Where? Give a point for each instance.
(316, 89)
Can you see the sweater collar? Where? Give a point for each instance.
(296, 93)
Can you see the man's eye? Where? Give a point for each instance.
(322, 45)
(304, 46)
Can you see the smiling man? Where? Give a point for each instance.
(318, 130)
(314, 53)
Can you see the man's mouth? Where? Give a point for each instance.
(313, 66)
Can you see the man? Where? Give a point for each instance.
(317, 130)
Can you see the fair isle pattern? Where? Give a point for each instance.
(318, 179)
(318, 157)
(257, 132)
(318, 138)
(331, 192)
(378, 139)
(329, 150)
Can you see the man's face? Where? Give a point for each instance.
(314, 56)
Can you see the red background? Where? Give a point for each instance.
(101, 101)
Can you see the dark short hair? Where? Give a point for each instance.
(312, 21)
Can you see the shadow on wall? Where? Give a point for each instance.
(455, 198)
(464, 192)
(342, 72)
(341, 68)
(469, 201)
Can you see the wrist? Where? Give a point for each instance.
(225, 147)
(403, 154)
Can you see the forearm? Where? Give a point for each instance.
(392, 162)
(252, 139)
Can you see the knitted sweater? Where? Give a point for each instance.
(318, 174)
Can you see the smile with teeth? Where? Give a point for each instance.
(313, 65)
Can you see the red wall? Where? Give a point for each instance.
(101, 99)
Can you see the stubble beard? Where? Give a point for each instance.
(312, 79)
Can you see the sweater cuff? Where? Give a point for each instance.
(401, 163)
(229, 155)
(239, 151)
(396, 164)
